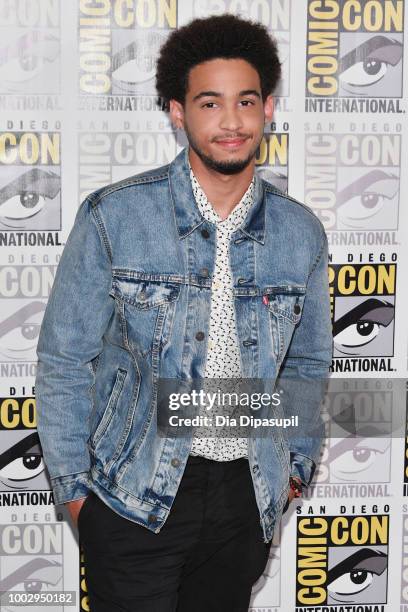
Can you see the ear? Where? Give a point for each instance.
(176, 114)
(268, 108)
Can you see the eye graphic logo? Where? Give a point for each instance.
(342, 560)
(21, 462)
(29, 59)
(352, 180)
(134, 61)
(356, 460)
(355, 49)
(272, 159)
(30, 200)
(363, 306)
(20, 325)
(373, 68)
(357, 575)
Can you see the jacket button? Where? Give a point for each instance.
(204, 272)
(152, 518)
(175, 462)
(200, 335)
(205, 233)
(296, 309)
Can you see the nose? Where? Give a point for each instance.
(231, 119)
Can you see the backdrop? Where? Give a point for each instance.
(79, 111)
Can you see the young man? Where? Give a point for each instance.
(195, 270)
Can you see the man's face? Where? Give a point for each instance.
(223, 115)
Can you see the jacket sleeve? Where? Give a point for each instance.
(304, 373)
(76, 317)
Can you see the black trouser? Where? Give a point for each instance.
(207, 556)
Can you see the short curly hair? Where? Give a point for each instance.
(219, 36)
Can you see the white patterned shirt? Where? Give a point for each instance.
(223, 355)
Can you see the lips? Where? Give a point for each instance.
(231, 142)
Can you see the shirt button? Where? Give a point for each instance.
(296, 309)
(200, 335)
(204, 272)
(205, 233)
(175, 462)
(152, 518)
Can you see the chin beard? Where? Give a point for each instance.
(223, 167)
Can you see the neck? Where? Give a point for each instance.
(224, 191)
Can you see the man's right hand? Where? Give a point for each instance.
(74, 507)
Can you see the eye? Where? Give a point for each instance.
(358, 334)
(364, 73)
(351, 583)
(136, 63)
(25, 58)
(368, 199)
(24, 205)
(355, 462)
(25, 467)
(21, 329)
(26, 196)
(362, 324)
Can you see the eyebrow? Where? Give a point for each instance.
(217, 94)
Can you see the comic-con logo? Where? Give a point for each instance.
(21, 459)
(352, 180)
(274, 15)
(341, 560)
(272, 158)
(114, 60)
(31, 561)
(30, 47)
(30, 181)
(363, 307)
(354, 49)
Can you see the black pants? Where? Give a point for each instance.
(207, 556)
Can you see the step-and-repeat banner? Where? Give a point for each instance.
(78, 111)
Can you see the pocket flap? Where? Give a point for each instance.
(144, 294)
(286, 301)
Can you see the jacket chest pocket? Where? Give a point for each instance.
(285, 307)
(148, 309)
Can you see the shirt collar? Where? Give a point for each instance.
(236, 216)
(186, 213)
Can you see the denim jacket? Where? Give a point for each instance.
(131, 291)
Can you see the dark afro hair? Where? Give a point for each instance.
(221, 36)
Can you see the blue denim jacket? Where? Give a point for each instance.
(131, 292)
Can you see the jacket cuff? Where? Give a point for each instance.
(302, 467)
(70, 487)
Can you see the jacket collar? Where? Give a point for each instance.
(186, 212)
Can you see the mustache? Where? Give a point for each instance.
(231, 137)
